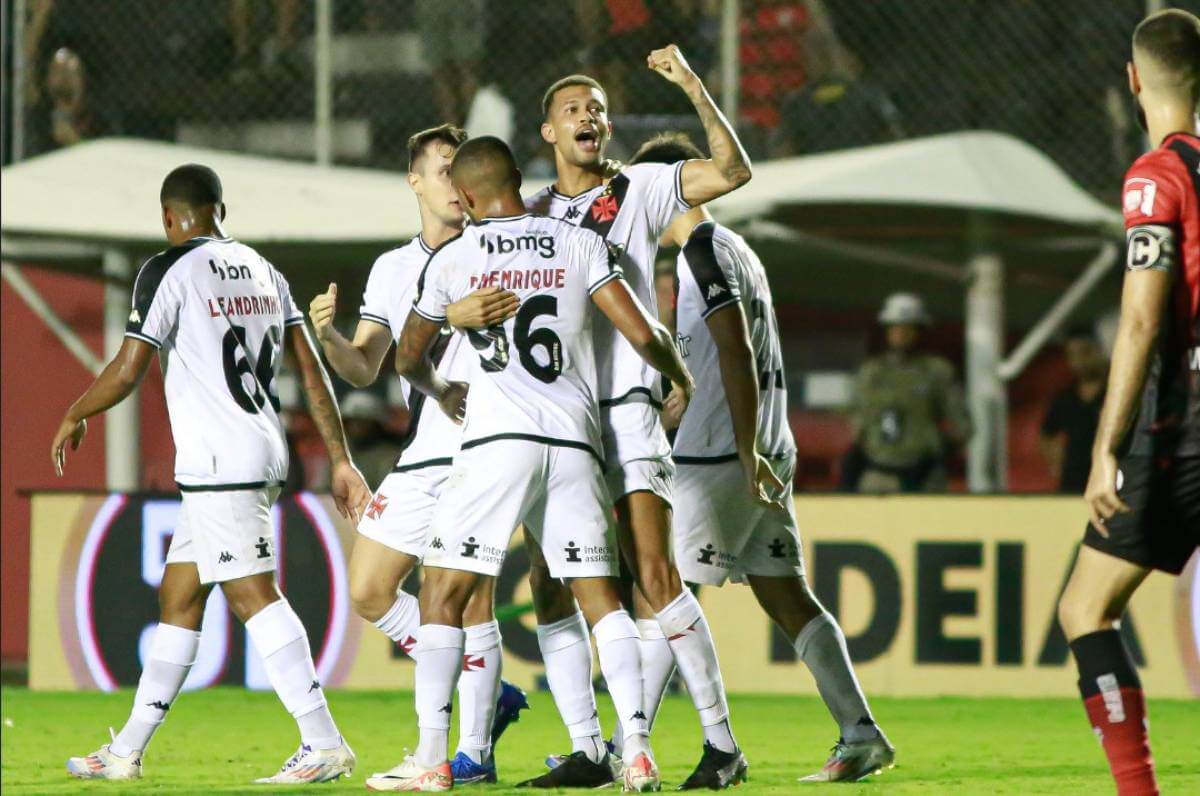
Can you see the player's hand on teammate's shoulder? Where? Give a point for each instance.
(349, 489)
(453, 400)
(321, 311)
(1101, 492)
(669, 62)
(485, 307)
(68, 430)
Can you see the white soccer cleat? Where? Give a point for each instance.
(104, 764)
(313, 765)
(410, 776)
(641, 776)
(851, 762)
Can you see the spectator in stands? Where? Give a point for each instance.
(71, 117)
(908, 410)
(375, 449)
(838, 107)
(452, 38)
(253, 49)
(1070, 424)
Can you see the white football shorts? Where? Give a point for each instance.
(721, 532)
(557, 492)
(226, 534)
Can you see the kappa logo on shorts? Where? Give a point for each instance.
(706, 554)
(436, 544)
(263, 547)
(469, 547)
(572, 551)
(226, 557)
(377, 506)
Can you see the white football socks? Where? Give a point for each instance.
(401, 621)
(822, 647)
(658, 664)
(439, 663)
(568, 659)
(171, 655)
(279, 637)
(478, 686)
(621, 663)
(683, 623)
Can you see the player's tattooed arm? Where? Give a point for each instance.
(729, 168)
(415, 366)
(115, 383)
(1143, 303)
(356, 361)
(349, 489)
(739, 377)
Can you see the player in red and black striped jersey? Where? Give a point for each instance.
(1143, 493)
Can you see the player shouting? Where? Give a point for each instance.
(218, 315)
(632, 210)
(1143, 493)
(532, 406)
(736, 458)
(391, 536)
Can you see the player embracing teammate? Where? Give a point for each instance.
(1143, 493)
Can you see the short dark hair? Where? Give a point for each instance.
(449, 134)
(485, 161)
(667, 147)
(1172, 38)
(567, 82)
(192, 184)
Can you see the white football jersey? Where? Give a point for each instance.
(432, 438)
(216, 310)
(717, 268)
(631, 213)
(536, 377)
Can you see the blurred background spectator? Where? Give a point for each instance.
(908, 410)
(452, 39)
(372, 445)
(1070, 423)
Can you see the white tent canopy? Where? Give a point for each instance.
(105, 191)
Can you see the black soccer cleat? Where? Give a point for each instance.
(575, 771)
(717, 770)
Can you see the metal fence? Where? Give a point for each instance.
(347, 81)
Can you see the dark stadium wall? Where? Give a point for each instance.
(40, 379)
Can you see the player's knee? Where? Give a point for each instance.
(181, 610)
(444, 597)
(659, 582)
(370, 600)
(1079, 616)
(479, 607)
(551, 599)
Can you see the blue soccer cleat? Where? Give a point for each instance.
(508, 709)
(467, 772)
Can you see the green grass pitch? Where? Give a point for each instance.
(220, 740)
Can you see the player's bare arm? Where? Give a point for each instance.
(485, 307)
(357, 361)
(649, 338)
(729, 167)
(735, 355)
(115, 383)
(349, 490)
(1143, 302)
(414, 366)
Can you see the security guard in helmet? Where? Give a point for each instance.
(908, 410)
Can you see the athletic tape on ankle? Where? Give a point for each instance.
(481, 638)
(562, 634)
(274, 627)
(174, 644)
(614, 627)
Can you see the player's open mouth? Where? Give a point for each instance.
(588, 139)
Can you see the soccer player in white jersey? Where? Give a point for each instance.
(532, 407)
(734, 517)
(218, 315)
(391, 535)
(631, 210)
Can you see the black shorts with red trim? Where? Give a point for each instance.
(1162, 529)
